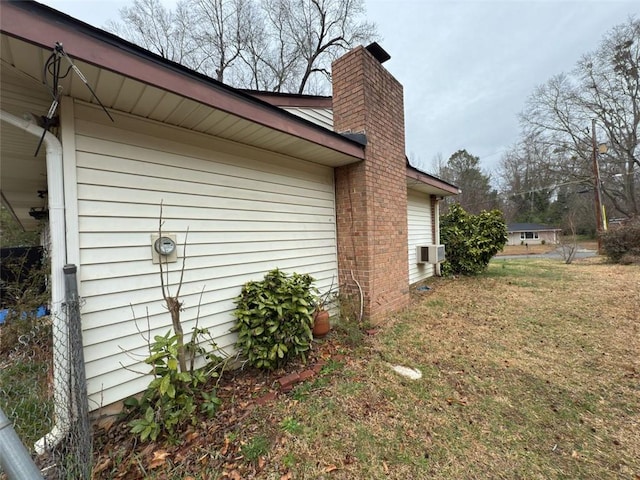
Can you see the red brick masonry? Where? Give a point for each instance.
(371, 196)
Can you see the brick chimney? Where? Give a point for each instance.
(371, 196)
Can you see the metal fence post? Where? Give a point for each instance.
(81, 446)
(14, 457)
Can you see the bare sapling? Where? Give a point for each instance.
(173, 303)
(569, 242)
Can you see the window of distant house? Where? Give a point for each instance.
(528, 235)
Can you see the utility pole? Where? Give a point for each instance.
(596, 189)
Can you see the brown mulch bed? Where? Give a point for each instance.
(212, 447)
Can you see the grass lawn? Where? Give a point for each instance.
(530, 371)
(546, 248)
(526, 249)
(25, 370)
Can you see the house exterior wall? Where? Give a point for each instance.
(371, 196)
(548, 236)
(319, 116)
(420, 228)
(247, 211)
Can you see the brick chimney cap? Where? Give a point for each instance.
(378, 52)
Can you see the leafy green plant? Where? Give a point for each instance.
(471, 240)
(291, 425)
(172, 397)
(274, 319)
(289, 460)
(257, 447)
(325, 300)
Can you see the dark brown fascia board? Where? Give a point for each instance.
(427, 179)
(291, 99)
(42, 26)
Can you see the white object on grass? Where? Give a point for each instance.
(412, 373)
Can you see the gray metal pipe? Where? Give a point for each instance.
(14, 457)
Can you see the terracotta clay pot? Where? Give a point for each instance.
(321, 325)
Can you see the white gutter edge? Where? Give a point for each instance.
(57, 257)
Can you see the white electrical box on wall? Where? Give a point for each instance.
(164, 248)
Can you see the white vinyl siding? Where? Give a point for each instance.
(247, 211)
(420, 233)
(533, 237)
(319, 116)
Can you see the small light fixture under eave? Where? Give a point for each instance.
(39, 213)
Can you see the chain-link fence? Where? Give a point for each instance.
(43, 386)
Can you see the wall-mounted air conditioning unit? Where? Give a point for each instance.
(429, 253)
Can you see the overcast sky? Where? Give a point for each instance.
(467, 66)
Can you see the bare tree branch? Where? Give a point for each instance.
(278, 45)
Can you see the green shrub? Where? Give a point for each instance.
(622, 244)
(173, 398)
(471, 240)
(274, 319)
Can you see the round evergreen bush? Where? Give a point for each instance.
(471, 240)
(274, 318)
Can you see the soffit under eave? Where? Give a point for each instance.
(128, 95)
(424, 182)
(422, 187)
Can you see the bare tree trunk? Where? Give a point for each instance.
(174, 305)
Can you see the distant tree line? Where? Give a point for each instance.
(463, 170)
(547, 176)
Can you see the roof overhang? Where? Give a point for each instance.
(292, 99)
(521, 230)
(163, 90)
(423, 182)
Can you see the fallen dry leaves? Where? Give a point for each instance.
(158, 459)
(210, 445)
(454, 332)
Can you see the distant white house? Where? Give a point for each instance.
(532, 234)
